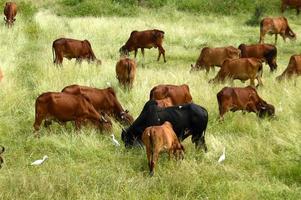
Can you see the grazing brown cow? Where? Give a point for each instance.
(10, 12)
(266, 52)
(277, 25)
(103, 100)
(245, 99)
(179, 94)
(242, 69)
(211, 57)
(164, 103)
(63, 107)
(126, 72)
(144, 39)
(292, 4)
(2, 149)
(71, 48)
(293, 68)
(159, 138)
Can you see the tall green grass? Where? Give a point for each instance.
(262, 156)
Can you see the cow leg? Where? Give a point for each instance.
(161, 51)
(136, 51)
(252, 82)
(222, 111)
(276, 37)
(154, 160)
(298, 11)
(261, 38)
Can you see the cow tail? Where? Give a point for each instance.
(128, 66)
(53, 54)
(151, 144)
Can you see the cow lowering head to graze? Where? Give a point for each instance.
(64, 107)
(10, 12)
(126, 72)
(211, 57)
(161, 138)
(186, 120)
(178, 94)
(293, 68)
(292, 4)
(71, 48)
(103, 100)
(277, 25)
(144, 39)
(242, 69)
(2, 149)
(266, 52)
(245, 99)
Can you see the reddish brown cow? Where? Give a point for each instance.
(144, 39)
(292, 4)
(179, 94)
(10, 12)
(164, 103)
(242, 69)
(63, 107)
(160, 138)
(266, 52)
(126, 72)
(277, 25)
(2, 149)
(245, 99)
(103, 100)
(71, 48)
(211, 57)
(293, 68)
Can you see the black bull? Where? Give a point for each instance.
(187, 119)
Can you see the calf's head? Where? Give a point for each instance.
(129, 139)
(126, 118)
(265, 109)
(9, 22)
(290, 34)
(124, 51)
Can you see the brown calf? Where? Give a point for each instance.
(103, 100)
(71, 48)
(63, 107)
(242, 69)
(2, 149)
(10, 12)
(292, 4)
(126, 72)
(293, 68)
(266, 52)
(160, 138)
(178, 94)
(144, 39)
(245, 99)
(277, 25)
(211, 57)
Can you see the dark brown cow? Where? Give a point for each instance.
(266, 52)
(71, 48)
(211, 57)
(179, 94)
(144, 39)
(10, 12)
(126, 72)
(277, 25)
(160, 138)
(164, 103)
(63, 107)
(292, 4)
(293, 68)
(2, 149)
(245, 99)
(242, 69)
(103, 100)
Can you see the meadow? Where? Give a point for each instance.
(263, 156)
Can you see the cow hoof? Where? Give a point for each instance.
(151, 173)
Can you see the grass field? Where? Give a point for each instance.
(263, 157)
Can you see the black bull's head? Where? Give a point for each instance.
(266, 110)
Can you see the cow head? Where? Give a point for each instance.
(290, 34)
(126, 118)
(105, 122)
(129, 139)
(124, 51)
(9, 22)
(266, 109)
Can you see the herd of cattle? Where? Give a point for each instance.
(170, 115)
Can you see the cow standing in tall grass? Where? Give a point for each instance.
(293, 68)
(126, 72)
(10, 12)
(144, 39)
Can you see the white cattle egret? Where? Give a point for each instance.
(115, 142)
(39, 162)
(223, 156)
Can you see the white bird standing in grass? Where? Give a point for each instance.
(223, 156)
(39, 162)
(115, 142)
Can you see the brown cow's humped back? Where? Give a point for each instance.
(293, 68)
